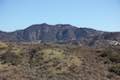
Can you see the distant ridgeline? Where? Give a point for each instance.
(61, 33)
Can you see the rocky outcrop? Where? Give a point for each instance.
(59, 33)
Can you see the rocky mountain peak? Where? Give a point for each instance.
(59, 32)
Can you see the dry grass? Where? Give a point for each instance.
(50, 62)
(3, 45)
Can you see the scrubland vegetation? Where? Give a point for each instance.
(36, 62)
(112, 54)
(57, 62)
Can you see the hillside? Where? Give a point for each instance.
(59, 33)
(58, 62)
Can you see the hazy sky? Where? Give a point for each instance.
(97, 14)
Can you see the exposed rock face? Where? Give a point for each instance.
(59, 33)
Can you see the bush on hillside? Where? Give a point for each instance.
(115, 69)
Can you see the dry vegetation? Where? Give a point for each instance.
(112, 56)
(57, 62)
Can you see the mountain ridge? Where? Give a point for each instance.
(58, 33)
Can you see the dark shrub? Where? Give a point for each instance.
(115, 69)
(112, 55)
(10, 58)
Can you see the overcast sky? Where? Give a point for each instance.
(97, 14)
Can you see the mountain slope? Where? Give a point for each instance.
(59, 33)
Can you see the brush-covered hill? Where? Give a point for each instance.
(58, 62)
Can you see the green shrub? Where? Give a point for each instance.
(115, 69)
(112, 55)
